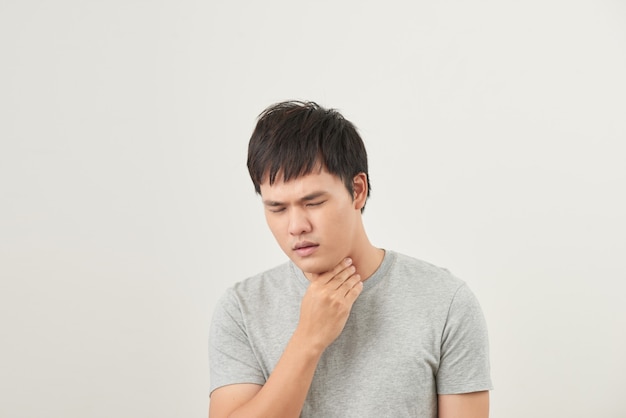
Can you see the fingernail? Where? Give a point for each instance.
(348, 261)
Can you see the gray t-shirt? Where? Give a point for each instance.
(414, 332)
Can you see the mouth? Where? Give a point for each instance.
(305, 248)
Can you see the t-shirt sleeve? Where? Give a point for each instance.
(464, 364)
(231, 357)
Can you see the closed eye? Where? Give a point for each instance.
(315, 203)
(276, 209)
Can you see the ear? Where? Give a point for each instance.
(359, 187)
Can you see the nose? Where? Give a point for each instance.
(298, 222)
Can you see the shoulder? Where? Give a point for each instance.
(268, 279)
(426, 276)
(262, 288)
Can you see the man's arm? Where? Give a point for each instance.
(464, 371)
(466, 405)
(323, 314)
(282, 395)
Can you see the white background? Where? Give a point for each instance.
(496, 137)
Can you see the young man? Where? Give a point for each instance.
(344, 329)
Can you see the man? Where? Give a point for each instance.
(345, 329)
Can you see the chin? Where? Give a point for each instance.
(312, 266)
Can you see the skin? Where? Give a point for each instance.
(318, 225)
(317, 209)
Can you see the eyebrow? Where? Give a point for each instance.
(307, 198)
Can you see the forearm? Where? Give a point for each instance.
(466, 405)
(286, 389)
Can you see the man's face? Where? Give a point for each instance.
(313, 218)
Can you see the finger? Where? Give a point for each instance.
(352, 282)
(340, 268)
(354, 292)
(343, 276)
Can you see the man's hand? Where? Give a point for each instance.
(327, 303)
(324, 312)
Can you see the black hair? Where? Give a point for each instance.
(295, 137)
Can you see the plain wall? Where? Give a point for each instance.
(496, 135)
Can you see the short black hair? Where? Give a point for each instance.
(294, 137)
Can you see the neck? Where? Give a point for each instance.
(367, 260)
